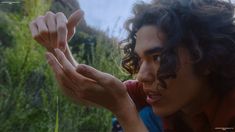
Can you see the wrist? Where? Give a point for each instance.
(129, 118)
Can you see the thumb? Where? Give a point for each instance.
(107, 81)
(73, 21)
(90, 72)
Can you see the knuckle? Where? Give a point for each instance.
(59, 14)
(61, 17)
(61, 27)
(82, 67)
(49, 13)
(40, 18)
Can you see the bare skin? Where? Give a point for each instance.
(187, 92)
(80, 82)
(85, 84)
(54, 31)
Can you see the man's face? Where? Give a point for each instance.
(183, 92)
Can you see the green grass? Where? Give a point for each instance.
(29, 97)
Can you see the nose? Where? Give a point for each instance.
(147, 73)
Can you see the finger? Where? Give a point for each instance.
(73, 82)
(62, 31)
(51, 24)
(35, 34)
(66, 86)
(54, 64)
(83, 82)
(73, 21)
(90, 72)
(68, 68)
(71, 90)
(42, 29)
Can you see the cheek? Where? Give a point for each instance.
(180, 95)
(181, 92)
(185, 87)
(173, 102)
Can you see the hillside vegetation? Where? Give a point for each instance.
(30, 100)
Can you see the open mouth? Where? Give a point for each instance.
(153, 98)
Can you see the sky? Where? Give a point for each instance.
(108, 15)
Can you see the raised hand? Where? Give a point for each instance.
(54, 30)
(85, 83)
(88, 85)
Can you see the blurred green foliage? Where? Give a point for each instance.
(28, 90)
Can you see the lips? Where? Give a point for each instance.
(153, 98)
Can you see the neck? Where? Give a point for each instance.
(194, 110)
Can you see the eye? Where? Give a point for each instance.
(157, 58)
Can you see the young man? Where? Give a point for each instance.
(183, 55)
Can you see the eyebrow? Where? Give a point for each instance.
(153, 50)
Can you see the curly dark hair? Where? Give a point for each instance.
(205, 27)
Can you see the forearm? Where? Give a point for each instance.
(130, 120)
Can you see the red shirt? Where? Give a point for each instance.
(219, 114)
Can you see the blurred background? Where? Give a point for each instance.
(30, 100)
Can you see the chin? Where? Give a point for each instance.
(163, 112)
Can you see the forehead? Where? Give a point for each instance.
(148, 37)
